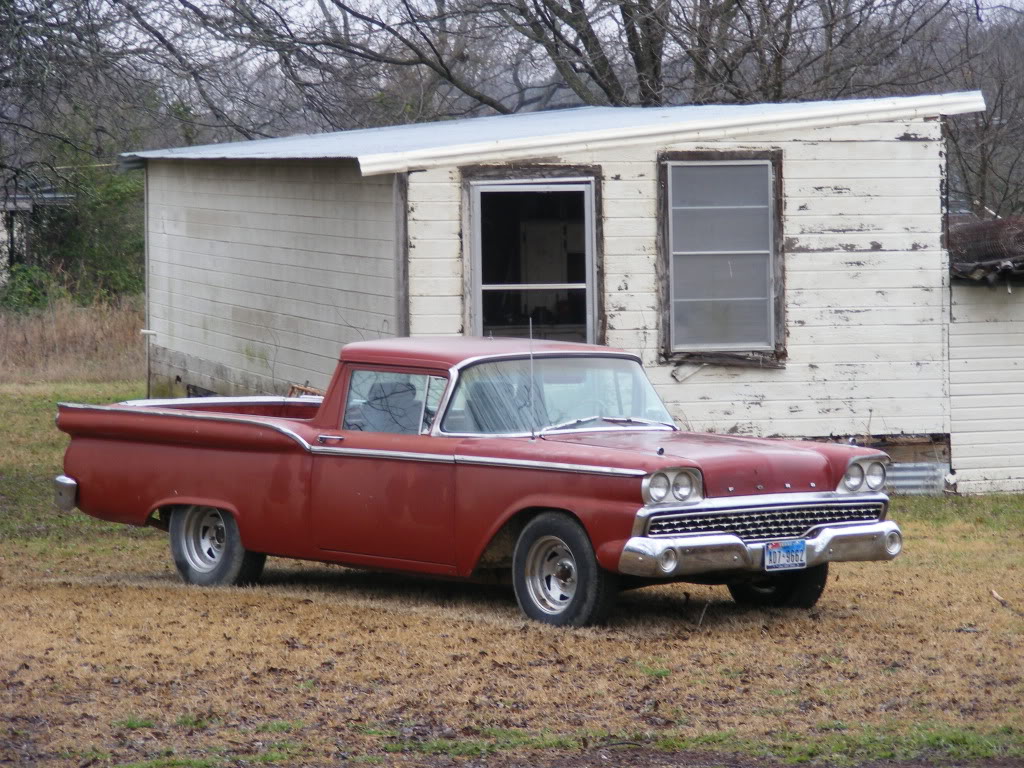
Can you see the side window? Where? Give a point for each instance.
(398, 403)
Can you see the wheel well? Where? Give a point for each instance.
(160, 518)
(498, 552)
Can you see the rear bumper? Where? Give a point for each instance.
(690, 555)
(65, 492)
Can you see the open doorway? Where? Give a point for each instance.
(533, 260)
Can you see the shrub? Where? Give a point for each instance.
(30, 287)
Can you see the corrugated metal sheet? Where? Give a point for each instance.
(508, 137)
(917, 479)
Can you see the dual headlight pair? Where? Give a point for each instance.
(673, 485)
(863, 475)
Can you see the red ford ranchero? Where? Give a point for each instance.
(551, 462)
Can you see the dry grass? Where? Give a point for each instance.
(68, 342)
(106, 657)
(96, 634)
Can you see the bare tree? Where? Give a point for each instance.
(355, 63)
(987, 148)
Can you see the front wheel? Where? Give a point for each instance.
(788, 589)
(556, 576)
(207, 548)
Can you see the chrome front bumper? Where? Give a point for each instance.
(65, 492)
(688, 555)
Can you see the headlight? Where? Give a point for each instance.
(875, 475)
(658, 487)
(675, 485)
(854, 477)
(682, 486)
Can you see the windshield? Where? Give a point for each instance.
(568, 393)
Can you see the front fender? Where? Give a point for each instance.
(488, 498)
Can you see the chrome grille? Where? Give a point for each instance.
(762, 523)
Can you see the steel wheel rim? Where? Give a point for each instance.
(204, 538)
(551, 574)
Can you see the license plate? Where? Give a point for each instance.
(785, 555)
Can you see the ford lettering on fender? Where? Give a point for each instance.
(554, 463)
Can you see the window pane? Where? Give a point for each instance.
(726, 229)
(721, 276)
(724, 321)
(532, 237)
(381, 401)
(517, 396)
(720, 184)
(560, 315)
(435, 391)
(722, 297)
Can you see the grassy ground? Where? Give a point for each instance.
(106, 659)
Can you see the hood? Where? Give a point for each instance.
(732, 466)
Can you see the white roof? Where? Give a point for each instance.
(529, 134)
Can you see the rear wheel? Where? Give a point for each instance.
(207, 548)
(789, 589)
(556, 576)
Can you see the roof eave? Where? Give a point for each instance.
(816, 116)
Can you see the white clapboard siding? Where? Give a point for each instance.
(267, 269)
(866, 281)
(986, 375)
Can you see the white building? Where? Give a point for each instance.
(779, 267)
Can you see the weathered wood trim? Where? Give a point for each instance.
(147, 340)
(931, 447)
(539, 171)
(753, 358)
(401, 206)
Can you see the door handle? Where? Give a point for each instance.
(324, 438)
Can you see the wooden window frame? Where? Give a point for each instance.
(774, 358)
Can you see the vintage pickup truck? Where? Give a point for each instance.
(555, 463)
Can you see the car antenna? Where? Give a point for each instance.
(533, 383)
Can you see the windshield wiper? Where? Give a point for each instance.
(610, 419)
(634, 420)
(570, 423)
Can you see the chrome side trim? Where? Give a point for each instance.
(691, 555)
(642, 427)
(367, 452)
(761, 502)
(182, 414)
(250, 400)
(370, 453)
(586, 469)
(65, 492)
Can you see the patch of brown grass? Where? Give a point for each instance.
(106, 657)
(69, 342)
(95, 634)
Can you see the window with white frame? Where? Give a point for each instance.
(533, 258)
(723, 292)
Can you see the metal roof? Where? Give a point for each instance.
(529, 134)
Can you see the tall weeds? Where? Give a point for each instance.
(66, 341)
